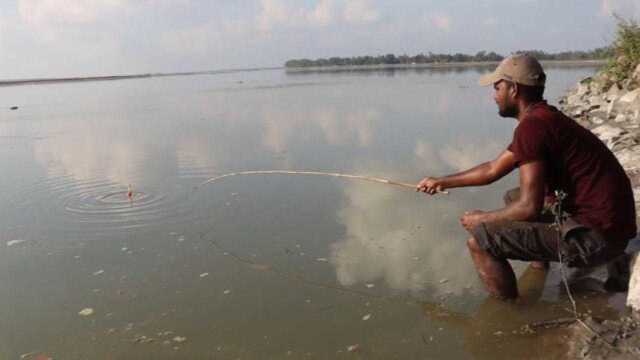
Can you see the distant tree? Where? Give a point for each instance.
(628, 32)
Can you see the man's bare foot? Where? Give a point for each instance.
(540, 265)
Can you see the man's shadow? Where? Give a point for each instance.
(498, 329)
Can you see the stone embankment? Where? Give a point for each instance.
(612, 112)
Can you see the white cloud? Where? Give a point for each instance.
(360, 12)
(282, 13)
(491, 21)
(409, 247)
(273, 12)
(49, 12)
(440, 21)
(466, 156)
(322, 14)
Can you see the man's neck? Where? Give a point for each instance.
(524, 106)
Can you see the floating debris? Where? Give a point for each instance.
(416, 258)
(322, 259)
(86, 312)
(227, 292)
(29, 354)
(444, 281)
(366, 317)
(13, 108)
(124, 249)
(99, 272)
(180, 238)
(354, 347)
(14, 242)
(370, 286)
(205, 274)
(234, 194)
(179, 339)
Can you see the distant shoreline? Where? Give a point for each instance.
(18, 82)
(295, 70)
(340, 68)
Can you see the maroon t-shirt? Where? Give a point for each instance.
(598, 190)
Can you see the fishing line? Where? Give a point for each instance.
(313, 173)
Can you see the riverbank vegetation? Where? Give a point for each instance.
(433, 58)
(626, 50)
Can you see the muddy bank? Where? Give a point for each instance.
(612, 112)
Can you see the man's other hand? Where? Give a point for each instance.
(430, 186)
(471, 219)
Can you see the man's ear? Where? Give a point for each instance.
(514, 90)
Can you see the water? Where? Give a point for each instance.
(258, 266)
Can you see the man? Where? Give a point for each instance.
(552, 152)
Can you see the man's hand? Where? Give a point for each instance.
(430, 186)
(471, 219)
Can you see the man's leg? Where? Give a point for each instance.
(496, 274)
(512, 196)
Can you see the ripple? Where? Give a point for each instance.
(102, 205)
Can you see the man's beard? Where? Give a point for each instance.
(508, 111)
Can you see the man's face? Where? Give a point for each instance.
(503, 96)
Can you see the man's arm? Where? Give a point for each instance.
(527, 207)
(483, 174)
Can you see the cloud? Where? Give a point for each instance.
(355, 128)
(360, 12)
(491, 21)
(458, 158)
(440, 21)
(281, 13)
(466, 156)
(391, 238)
(51, 12)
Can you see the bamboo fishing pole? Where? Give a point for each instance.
(313, 173)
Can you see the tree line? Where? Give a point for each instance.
(434, 58)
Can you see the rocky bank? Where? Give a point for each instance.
(612, 111)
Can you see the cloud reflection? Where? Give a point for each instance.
(407, 243)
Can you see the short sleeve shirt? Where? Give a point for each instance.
(598, 190)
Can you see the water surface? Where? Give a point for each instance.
(255, 267)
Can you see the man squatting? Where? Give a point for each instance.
(552, 152)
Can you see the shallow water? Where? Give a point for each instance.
(263, 266)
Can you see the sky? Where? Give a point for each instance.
(57, 38)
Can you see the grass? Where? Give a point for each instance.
(626, 48)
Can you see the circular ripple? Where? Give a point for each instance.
(101, 205)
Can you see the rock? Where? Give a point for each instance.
(86, 312)
(620, 118)
(633, 297)
(613, 93)
(635, 76)
(630, 97)
(611, 107)
(573, 99)
(583, 88)
(608, 134)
